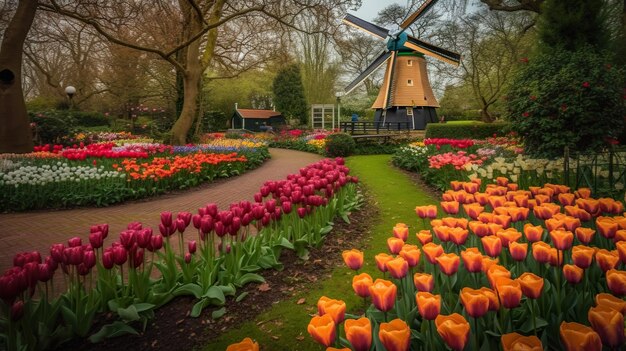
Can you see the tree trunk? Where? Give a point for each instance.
(484, 112)
(15, 132)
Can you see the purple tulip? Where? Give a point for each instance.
(107, 258)
(180, 225)
(187, 258)
(17, 310)
(287, 207)
(56, 251)
(206, 224)
(119, 255)
(156, 243)
(127, 238)
(196, 220)
(212, 209)
(89, 259)
(74, 242)
(301, 212)
(134, 226)
(220, 229)
(96, 239)
(192, 246)
(166, 219)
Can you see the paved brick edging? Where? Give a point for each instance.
(38, 230)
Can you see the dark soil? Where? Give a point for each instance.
(173, 329)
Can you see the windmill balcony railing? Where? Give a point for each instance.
(373, 127)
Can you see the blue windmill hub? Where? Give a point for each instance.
(397, 43)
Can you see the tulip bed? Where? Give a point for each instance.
(503, 268)
(228, 248)
(104, 173)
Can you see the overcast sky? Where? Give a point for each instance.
(369, 8)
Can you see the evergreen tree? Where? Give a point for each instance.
(289, 94)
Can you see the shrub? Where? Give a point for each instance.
(565, 98)
(466, 130)
(52, 127)
(339, 144)
(89, 119)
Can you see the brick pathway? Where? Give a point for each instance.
(38, 230)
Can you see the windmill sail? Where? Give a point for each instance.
(382, 58)
(434, 51)
(423, 9)
(366, 26)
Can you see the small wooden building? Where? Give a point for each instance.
(256, 120)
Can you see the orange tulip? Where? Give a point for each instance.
(423, 282)
(582, 255)
(454, 330)
(383, 293)
(449, 221)
(492, 245)
(244, 345)
(458, 235)
(620, 235)
(322, 329)
(607, 226)
(562, 239)
(521, 200)
(611, 301)
(481, 198)
(486, 217)
(397, 267)
(609, 205)
(583, 193)
(509, 235)
(472, 259)
(494, 303)
(475, 302)
(496, 201)
(585, 235)
(518, 214)
(512, 186)
(542, 212)
(496, 272)
(361, 284)
(571, 223)
(432, 251)
(541, 252)
(578, 337)
(335, 308)
(504, 220)
(566, 199)
(353, 259)
(621, 221)
(401, 231)
(394, 245)
(494, 228)
(456, 185)
(502, 181)
(554, 224)
(532, 285)
(573, 274)
(542, 199)
(509, 291)
(381, 261)
(428, 211)
(436, 223)
(590, 205)
(621, 250)
(556, 257)
(533, 233)
(448, 263)
(578, 212)
(450, 207)
(463, 197)
(471, 187)
(515, 342)
(518, 251)
(442, 232)
(411, 253)
(428, 305)
(616, 281)
(447, 196)
(606, 259)
(424, 236)
(359, 333)
(488, 262)
(395, 335)
(608, 323)
(479, 228)
(473, 210)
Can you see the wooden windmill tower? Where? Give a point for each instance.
(406, 95)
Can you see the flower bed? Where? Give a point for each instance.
(103, 174)
(226, 249)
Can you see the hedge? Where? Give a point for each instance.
(466, 130)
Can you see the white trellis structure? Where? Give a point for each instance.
(323, 116)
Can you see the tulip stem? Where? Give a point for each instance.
(532, 314)
(475, 334)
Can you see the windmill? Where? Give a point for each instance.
(406, 95)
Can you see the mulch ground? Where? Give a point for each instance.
(173, 328)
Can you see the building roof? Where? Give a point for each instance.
(259, 114)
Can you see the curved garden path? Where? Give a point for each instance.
(38, 230)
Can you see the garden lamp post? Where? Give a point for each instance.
(70, 91)
(339, 94)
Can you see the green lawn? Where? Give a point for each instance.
(396, 197)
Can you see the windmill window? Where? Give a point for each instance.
(409, 82)
(409, 111)
(409, 62)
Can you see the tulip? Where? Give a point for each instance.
(244, 345)
(17, 310)
(381, 261)
(518, 214)
(509, 235)
(488, 262)
(322, 329)
(428, 211)
(494, 228)
(395, 335)
(579, 337)
(450, 207)
(475, 302)
(397, 267)
(585, 235)
(472, 259)
(554, 224)
(606, 226)
(411, 254)
(448, 263)
(504, 220)
(471, 187)
(541, 252)
(494, 303)
(394, 245)
(486, 217)
(120, 255)
(621, 251)
(531, 284)
(562, 239)
(424, 236)
(423, 282)
(608, 323)
(428, 305)
(166, 219)
(496, 201)
(442, 232)
(566, 199)
(192, 246)
(454, 330)
(515, 341)
(335, 308)
(359, 333)
(107, 259)
(473, 210)
(401, 231)
(518, 251)
(432, 251)
(479, 228)
(156, 242)
(509, 291)
(496, 272)
(571, 223)
(353, 259)
(383, 293)
(616, 281)
(361, 284)
(611, 301)
(74, 242)
(96, 239)
(492, 245)
(533, 233)
(187, 258)
(582, 255)
(458, 235)
(573, 274)
(606, 259)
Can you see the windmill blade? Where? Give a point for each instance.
(431, 50)
(382, 58)
(366, 26)
(389, 79)
(423, 9)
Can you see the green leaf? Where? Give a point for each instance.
(112, 330)
(198, 307)
(241, 296)
(527, 327)
(188, 289)
(249, 278)
(215, 296)
(218, 313)
(128, 314)
(284, 243)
